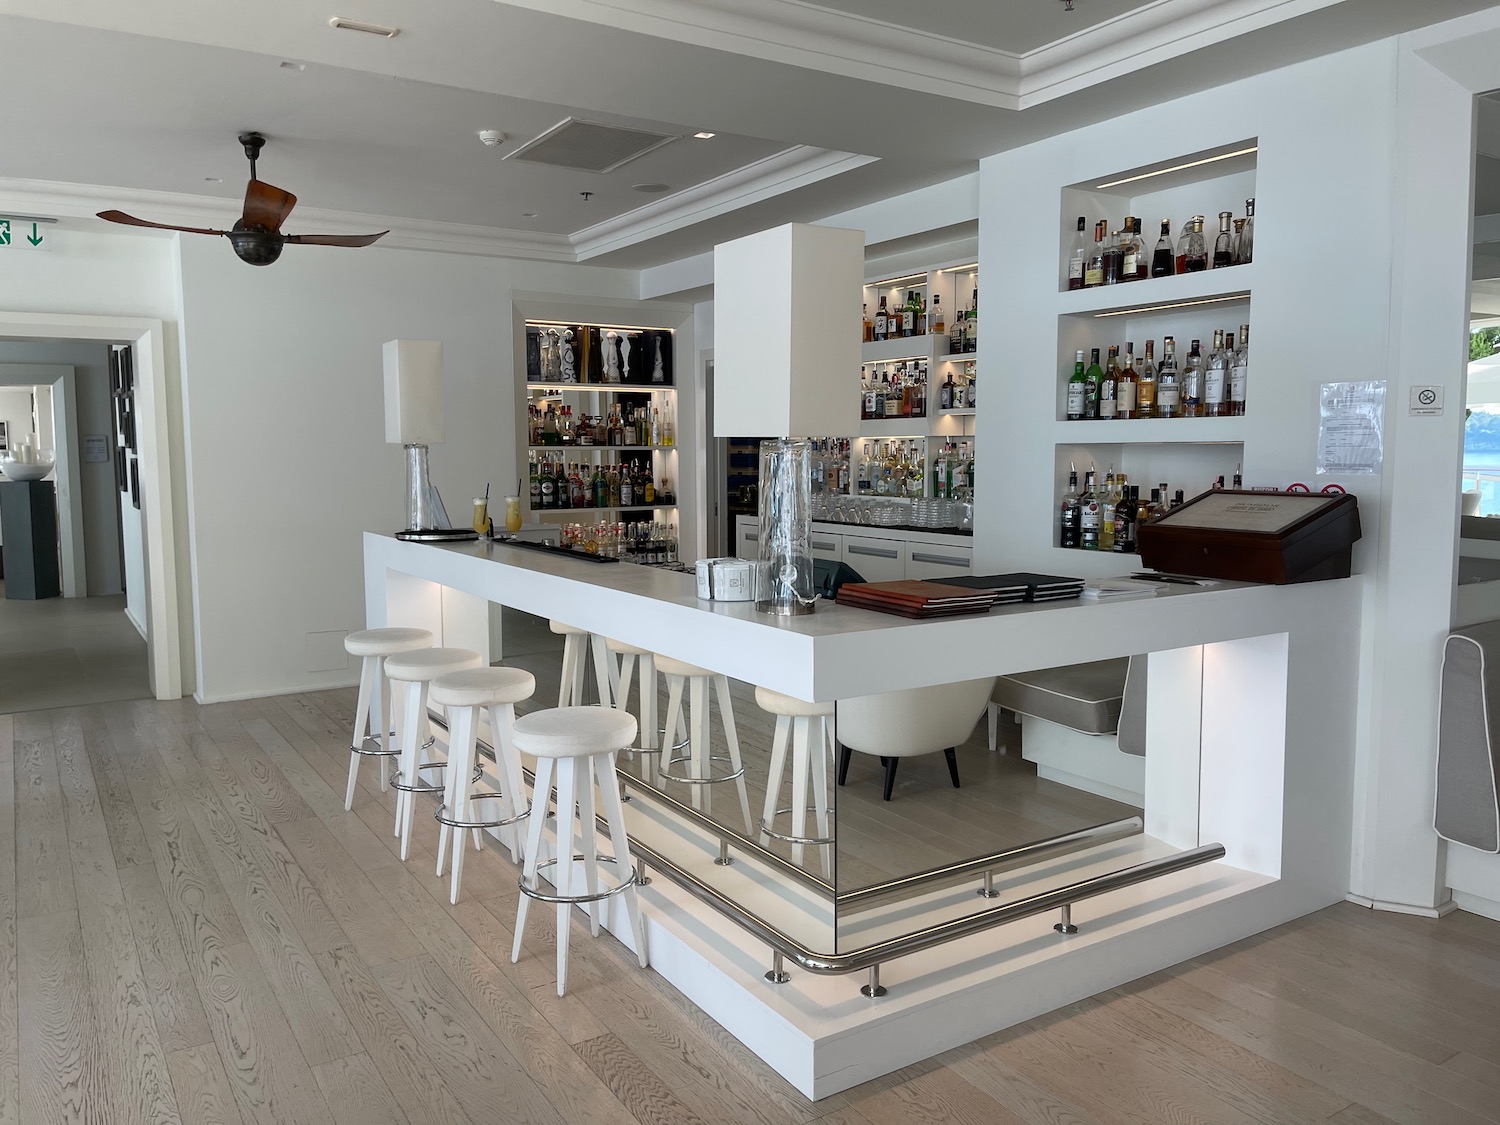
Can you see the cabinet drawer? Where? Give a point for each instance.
(926, 561)
(747, 543)
(876, 560)
(826, 546)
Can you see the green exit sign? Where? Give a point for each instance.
(26, 235)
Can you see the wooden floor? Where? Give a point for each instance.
(192, 929)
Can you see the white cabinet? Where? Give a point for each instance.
(827, 546)
(926, 561)
(876, 560)
(747, 540)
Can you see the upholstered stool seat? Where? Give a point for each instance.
(372, 711)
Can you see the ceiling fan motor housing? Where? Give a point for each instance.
(257, 247)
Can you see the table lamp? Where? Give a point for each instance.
(414, 420)
(787, 331)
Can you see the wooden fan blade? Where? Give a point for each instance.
(132, 221)
(336, 239)
(267, 205)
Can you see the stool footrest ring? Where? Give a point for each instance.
(499, 823)
(378, 750)
(775, 835)
(629, 880)
(733, 776)
(427, 787)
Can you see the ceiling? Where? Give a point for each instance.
(816, 109)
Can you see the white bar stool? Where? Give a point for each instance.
(575, 748)
(575, 652)
(410, 673)
(373, 711)
(809, 729)
(465, 695)
(701, 759)
(620, 676)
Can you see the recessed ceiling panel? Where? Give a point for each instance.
(588, 146)
(1016, 26)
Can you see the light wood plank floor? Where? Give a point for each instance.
(192, 929)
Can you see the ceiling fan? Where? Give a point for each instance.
(256, 236)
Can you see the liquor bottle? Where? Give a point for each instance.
(1107, 504)
(1146, 511)
(1168, 389)
(549, 488)
(1125, 393)
(577, 490)
(1078, 390)
(971, 324)
(1177, 500)
(909, 314)
(869, 388)
(869, 324)
(1239, 232)
(1093, 270)
(613, 476)
(1163, 263)
(940, 473)
(1239, 371)
(549, 426)
(879, 395)
(627, 485)
(1078, 258)
(1125, 512)
(956, 331)
(1114, 258)
(1142, 255)
(1088, 519)
(601, 488)
(1224, 243)
(1239, 481)
(971, 385)
(882, 321)
(1192, 383)
(1195, 258)
(561, 488)
(535, 484)
(655, 427)
(1071, 513)
(1245, 248)
(1110, 384)
(648, 486)
(936, 325)
(1216, 378)
(1094, 376)
(1133, 251)
(1145, 386)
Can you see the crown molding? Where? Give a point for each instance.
(774, 175)
(83, 201)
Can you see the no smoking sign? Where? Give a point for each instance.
(1426, 401)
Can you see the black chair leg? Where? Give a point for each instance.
(890, 775)
(952, 765)
(844, 753)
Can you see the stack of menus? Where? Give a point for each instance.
(914, 598)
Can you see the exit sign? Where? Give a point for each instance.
(26, 235)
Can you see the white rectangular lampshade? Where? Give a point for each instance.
(787, 332)
(413, 392)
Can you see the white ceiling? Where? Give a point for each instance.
(132, 103)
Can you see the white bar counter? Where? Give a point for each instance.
(1250, 734)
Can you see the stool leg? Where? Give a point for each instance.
(411, 727)
(614, 816)
(620, 680)
(726, 712)
(674, 709)
(398, 725)
(799, 784)
(589, 844)
(818, 765)
(460, 751)
(567, 795)
(647, 690)
(605, 672)
(381, 704)
(699, 747)
(417, 727)
(508, 765)
(570, 658)
(778, 770)
(534, 825)
(992, 709)
(361, 720)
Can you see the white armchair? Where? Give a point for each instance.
(903, 724)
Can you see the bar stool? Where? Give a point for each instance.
(620, 676)
(809, 729)
(575, 652)
(410, 673)
(575, 748)
(465, 695)
(700, 757)
(373, 711)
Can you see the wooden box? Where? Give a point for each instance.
(1276, 537)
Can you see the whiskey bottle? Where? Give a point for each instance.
(1110, 384)
(1145, 386)
(1192, 251)
(1216, 379)
(1071, 513)
(1239, 371)
(1078, 390)
(909, 314)
(1093, 270)
(1125, 392)
(1192, 383)
(1245, 248)
(936, 325)
(1093, 377)
(1125, 513)
(1129, 250)
(1163, 262)
(1114, 258)
(882, 321)
(869, 324)
(1076, 260)
(1224, 243)
(1168, 389)
(1088, 519)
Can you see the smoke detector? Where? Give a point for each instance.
(492, 138)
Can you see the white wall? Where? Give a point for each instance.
(101, 515)
(285, 433)
(15, 411)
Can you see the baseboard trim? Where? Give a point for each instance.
(1403, 907)
(1477, 904)
(205, 699)
(139, 625)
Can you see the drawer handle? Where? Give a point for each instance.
(856, 549)
(939, 560)
(830, 546)
(752, 536)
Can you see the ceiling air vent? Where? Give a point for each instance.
(589, 146)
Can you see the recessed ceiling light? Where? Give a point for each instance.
(528, 214)
(213, 179)
(359, 25)
(705, 136)
(296, 66)
(651, 189)
(1179, 167)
